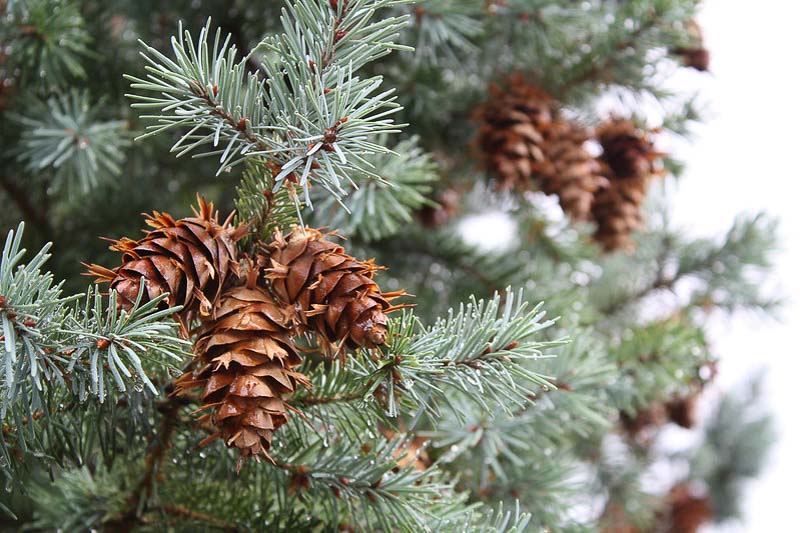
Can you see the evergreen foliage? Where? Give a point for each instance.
(62, 136)
(480, 412)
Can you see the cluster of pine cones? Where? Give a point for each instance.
(527, 144)
(244, 312)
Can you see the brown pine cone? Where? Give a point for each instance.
(526, 144)
(188, 258)
(696, 58)
(688, 512)
(695, 55)
(683, 411)
(569, 170)
(512, 132)
(334, 295)
(640, 425)
(245, 355)
(631, 161)
(628, 150)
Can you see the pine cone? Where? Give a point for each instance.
(448, 203)
(628, 150)
(334, 294)
(696, 55)
(688, 512)
(511, 135)
(630, 160)
(245, 355)
(527, 144)
(696, 58)
(683, 411)
(640, 426)
(569, 170)
(188, 258)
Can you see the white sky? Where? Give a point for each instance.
(745, 158)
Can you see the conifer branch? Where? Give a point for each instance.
(381, 207)
(45, 41)
(312, 121)
(196, 516)
(322, 400)
(724, 269)
(66, 136)
(55, 352)
(476, 352)
(138, 498)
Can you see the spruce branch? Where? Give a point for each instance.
(475, 353)
(638, 35)
(575, 406)
(138, 497)
(311, 115)
(206, 88)
(380, 207)
(738, 438)
(260, 205)
(727, 272)
(358, 480)
(47, 41)
(377, 491)
(657, 362)
(480, 355)
(491, 270)
(66, 136)
(116, 341)
(492, 521)
(78, 499)
(56, 354)
(445, 29)
(187, 514)
(31, 309)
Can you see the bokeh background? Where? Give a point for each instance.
(743, 159)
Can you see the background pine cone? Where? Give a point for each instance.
(631, 161)
(688, 512)
(569, 170)
(511, 135)
(527, 144)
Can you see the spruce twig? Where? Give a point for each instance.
(138, 498)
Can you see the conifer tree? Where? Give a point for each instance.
(254, 360)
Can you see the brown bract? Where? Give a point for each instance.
(333, 294)
(189, 258)
(688, 511)
(245, 358)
